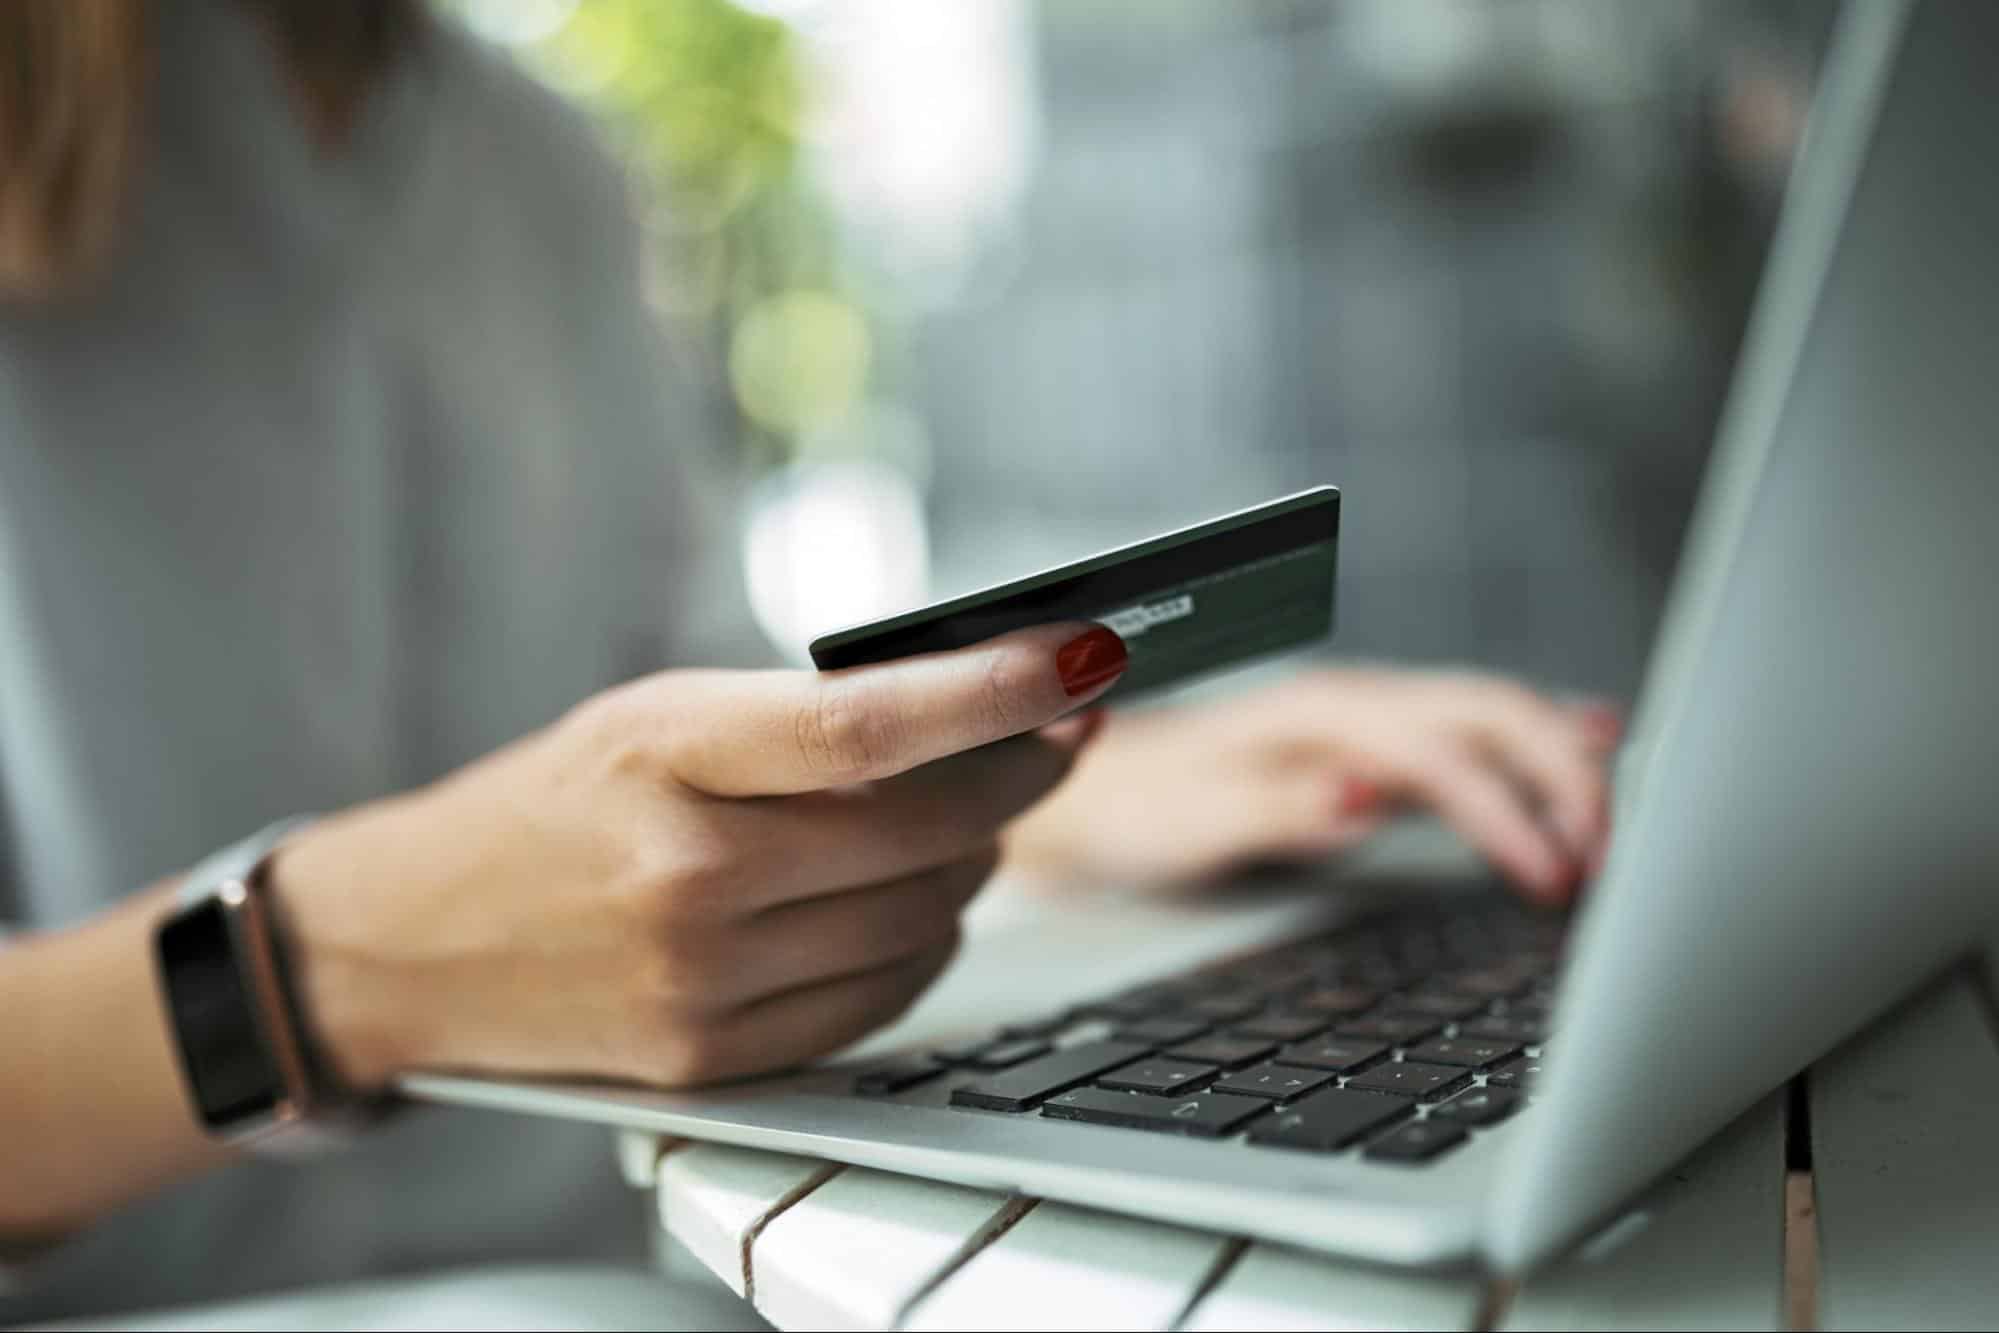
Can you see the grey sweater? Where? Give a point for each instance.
(348, 469)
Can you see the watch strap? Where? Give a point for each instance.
(336, 1112)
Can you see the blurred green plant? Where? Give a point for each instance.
(706, 97)
(709, 104)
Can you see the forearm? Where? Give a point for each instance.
(93, 1111)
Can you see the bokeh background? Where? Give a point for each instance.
(966, 287)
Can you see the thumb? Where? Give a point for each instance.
(771, 733)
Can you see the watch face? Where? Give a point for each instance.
(222, 1048)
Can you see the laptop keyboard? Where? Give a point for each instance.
(1399, 1037)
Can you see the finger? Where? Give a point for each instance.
(828, 842)
(1531, 738)
(1261, 815)
(819, 939)
(774, 732)
(799, 1025)
(1292, 815)
(1599, 721)
(1488, 812)
(1359, 798)
(1074, 732)
(1361, 808)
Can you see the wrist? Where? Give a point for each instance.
(347, 990)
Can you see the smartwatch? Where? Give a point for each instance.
(245, 1050)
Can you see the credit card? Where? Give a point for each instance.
(1187, 603)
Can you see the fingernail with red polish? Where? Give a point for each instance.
(1088, 660)
(1569, 881)
(1358, 796)
(1603, 722)
(1548, 878)
(1577, 838)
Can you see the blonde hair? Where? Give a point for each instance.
(74, 78)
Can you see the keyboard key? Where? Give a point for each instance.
(1282, 1082)
(1127, 1008)
(991, 1054)
(1166, 1078)
(1464, 1052)
(1019, 1088)
(1409, 1079)
(1438, 1004)
(1418, 1141)
(1421, 957)
(1224, 1050)
(1336, 1000)
(1280, 976)
(1492, 983)
(1520, 1075)
(1271, 972)
(1225, 1007)
(1533, 1011)
(1208, 980)
(962, 1055)
(895, 1075)
(1382, 975)
(1282, 1026)
(1206, 1115)
(1479, 1106)
(1046, 1026)
(1329, 1120)
(1399, 1028)
(1337, 1054)
(1007, 1054)
(1162, 1031)
(1473, 942)
(1506, 1027)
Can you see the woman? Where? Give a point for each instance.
(334, 457)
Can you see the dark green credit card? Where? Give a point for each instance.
(1187, 603)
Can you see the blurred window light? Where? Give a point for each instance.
(829, 544)
(713, 105)
(925, 123)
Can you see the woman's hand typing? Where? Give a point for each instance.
(1315, 764)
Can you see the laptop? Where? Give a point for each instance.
(1805, 827)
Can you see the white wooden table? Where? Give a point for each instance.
(1895, 1225)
